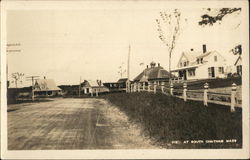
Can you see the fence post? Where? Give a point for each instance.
(135, 87)
(171, 88)
(91, 92)
(127, 86)
(233, 94)
(155, 87)
(96, 92)
(162, 87)
(185, 91)
(143, 86)
(132, 87)
(149, 86)
(205, 94)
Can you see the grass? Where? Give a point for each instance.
(166, 119)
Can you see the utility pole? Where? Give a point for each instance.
(11, 48)
(129, 50)
(32, 78)
(128, 69)
(80, 86)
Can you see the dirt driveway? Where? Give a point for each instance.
(72, 124)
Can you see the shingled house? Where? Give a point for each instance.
(153, 74)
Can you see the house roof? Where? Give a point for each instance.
(122, 80)
(191, 56)
(93, 83)
(89, 83)
(188, 67)
(153, 73)
(204, 54)
(45, 85)
(144, 78)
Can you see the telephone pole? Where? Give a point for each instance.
(128, 65)
(32, 78)
(11, 48)
(128, 70)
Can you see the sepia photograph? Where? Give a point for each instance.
(117, 76)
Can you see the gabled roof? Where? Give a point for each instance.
(89, 83)
(45, 85)
(191, 56)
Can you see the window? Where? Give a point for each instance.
(221, 70)
(180, 64)
(209, 72)
(191, 72)
(215, 58)
(185, 64)
(198, 61)
(201, 60)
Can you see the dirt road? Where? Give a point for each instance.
(72, 124)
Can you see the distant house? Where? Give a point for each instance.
(201, 65)
(153, 74)
(120, 85)
(92, 87)
(46, 87)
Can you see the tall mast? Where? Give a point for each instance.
(129, 49)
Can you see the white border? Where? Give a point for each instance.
(125, 154)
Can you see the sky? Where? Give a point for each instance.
(65, 45)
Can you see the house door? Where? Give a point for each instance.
(211, 72)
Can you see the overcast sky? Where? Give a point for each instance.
(66, 44)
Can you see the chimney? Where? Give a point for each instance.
(159, 65)
(152, 64)
(204, 47)
(192, 49)
(44, 77)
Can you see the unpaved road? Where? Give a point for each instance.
(72, 124)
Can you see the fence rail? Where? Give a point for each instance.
(229, 99)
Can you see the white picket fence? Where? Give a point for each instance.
(228, 99)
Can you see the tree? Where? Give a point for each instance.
(168, 27)
(216, 15)
(17, 77)
(237, 50)
(121, 70)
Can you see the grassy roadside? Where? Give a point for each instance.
(168, 120)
